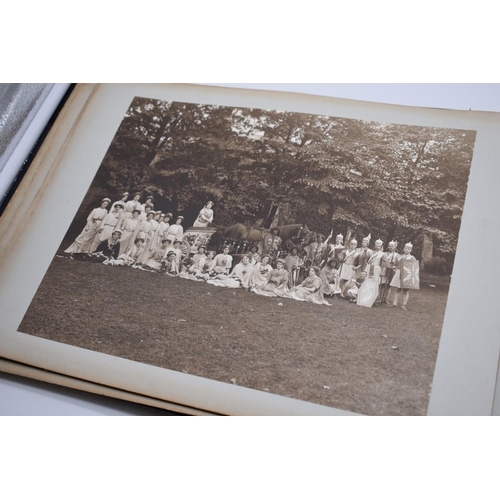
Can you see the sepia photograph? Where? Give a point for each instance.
(302, 255)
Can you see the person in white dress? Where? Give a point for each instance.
(206, 215)
(176, 231)
(130, 227)
(133, 204)
(111, 222)
(122, 201)
(222, 263)
(239, 277)
(84, 240)
(261, 272)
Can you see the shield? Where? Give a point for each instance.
(368, 291)
(410, 274)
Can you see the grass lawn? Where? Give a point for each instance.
(375, 361)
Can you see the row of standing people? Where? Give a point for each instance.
(134, 220)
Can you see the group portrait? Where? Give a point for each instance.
(308, 256)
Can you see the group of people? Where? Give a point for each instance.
(134, 234)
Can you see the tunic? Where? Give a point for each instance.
(346, 270)
(271, 244)
(396, 280)
(205, 217)
(387, 263)
(222, 264)
(362, 259)
(84, 240)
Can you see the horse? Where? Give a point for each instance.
(294, 232)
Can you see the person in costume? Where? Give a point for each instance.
(253, 255)
(271, 243)
(369, 292)
(122, 201)
(222, 262)
(130, 257)
(310, 249)
(310, 290)
(176, 231)
(147, 231)
(335, 249)
(146, 207)
(353, 289)
(163, 225)
(133, 204)
(83, 242)
(195, 268)
(397, 282)
(169, 265)
(207, 266)
(363, 256)
(293, 264)
(319, 250)
(130, 228)
(329, 275)
(347, 266)
(206, 215)
(178, 252)
(155, 261)
(110, 248)
(388, 264)
(276, 281)
(239, 276)
(111, 222)
(261, 272)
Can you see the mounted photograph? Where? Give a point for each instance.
(298, 254)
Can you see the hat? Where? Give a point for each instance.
(126, 193)
(353, 241)
(409, 244)
(280, 260)
(162, 215)
(139, 239)
(202, 246)
(106, 199)
(137, 194)
(149, 198)
(166, 239)
(340, 235)
(136, 210)
(209, 201)
(170, 253)
(119, 204)
(151, 212)
(177, 241)
(379, 242)
(169, 215)
(117, 231)
(368, 238)
(179, 217)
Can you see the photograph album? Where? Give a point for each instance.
(217, 251)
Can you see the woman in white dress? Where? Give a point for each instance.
(109, 224)
(133, 204)
(84, 240)
(206, 215)
(310, 290)
(261, 272)
(239, 277)
(176, 231)
(130, 228)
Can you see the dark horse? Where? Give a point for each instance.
(291, 234)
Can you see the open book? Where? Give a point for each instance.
(222, 251)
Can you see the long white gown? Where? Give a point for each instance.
(84, 240)
(205, 217)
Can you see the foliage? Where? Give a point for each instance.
(394, 181)
(438, 265)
